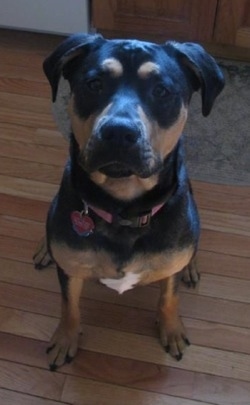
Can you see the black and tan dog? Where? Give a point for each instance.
(124, 212)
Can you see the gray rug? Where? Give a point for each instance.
(218, 146)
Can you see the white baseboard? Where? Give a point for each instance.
(52, 16)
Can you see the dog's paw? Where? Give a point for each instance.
(173, 338)
(42, 258)
(62, 347)
(190, 274)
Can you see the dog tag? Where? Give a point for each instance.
(82, 224)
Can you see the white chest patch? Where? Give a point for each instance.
(122, 284)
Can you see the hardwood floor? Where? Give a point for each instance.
(120, 361)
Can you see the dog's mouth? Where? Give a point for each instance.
(116, 170)
(116, 163)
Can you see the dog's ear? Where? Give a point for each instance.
(208, 75)
(73, 46)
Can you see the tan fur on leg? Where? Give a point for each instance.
(172, 332)
(64, 343)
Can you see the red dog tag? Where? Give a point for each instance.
(82, 224)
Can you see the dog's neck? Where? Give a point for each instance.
(171, 177)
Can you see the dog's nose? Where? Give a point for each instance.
(121, 134)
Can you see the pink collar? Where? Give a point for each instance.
(134, 222)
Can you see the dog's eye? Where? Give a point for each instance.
(95, 85)
(160, 91)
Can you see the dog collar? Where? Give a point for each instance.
(134, 222)
(84, 225)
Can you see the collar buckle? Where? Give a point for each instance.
(136, 222)
(144, 220)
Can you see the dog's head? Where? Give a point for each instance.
(129, 99)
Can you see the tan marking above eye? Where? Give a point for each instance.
(148, 68)
(113, 66)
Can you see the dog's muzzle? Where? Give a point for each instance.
(120, 147)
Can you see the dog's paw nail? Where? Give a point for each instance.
(69, 359)
(38, 266)
(53, 367)
(178, 356)
(48, 350)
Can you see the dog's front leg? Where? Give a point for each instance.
(172, 332)
(64, 343)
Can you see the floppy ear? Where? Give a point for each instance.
(210, 77)
(70, 48)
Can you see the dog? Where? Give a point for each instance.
(125, 212)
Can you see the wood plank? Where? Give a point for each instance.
(144, 348)
(135, 374)
(20, 249)
(21, 228)
(224, 265)
(18, 58)
(25, 379)
(32, 153)
(26, 118)
(24, 86)
(215, 310)
(191, 305)
(24, 274)
(81, 391)
(23, 41)
(23, 207)
(30, 170)
(37, 136)
(25, 103)
(226, 243)
(220, 188)
(210, 197)
(224, 287)
(26, 188)
(225, 222)
(15, 67)
(8, 397)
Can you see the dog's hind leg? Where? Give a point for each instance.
(42, 258)
(64, 343)
(172, 332)
(190, 274)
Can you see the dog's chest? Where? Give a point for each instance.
(125, 283)
(140, 269)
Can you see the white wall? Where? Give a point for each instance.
(59, 16)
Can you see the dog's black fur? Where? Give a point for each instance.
(128, 97)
